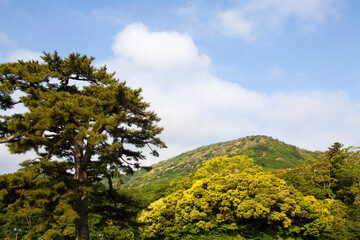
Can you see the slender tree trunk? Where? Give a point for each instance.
(28, 219)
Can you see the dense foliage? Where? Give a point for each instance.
(335, 176)
(43, 210)
(79, 114)
(232, 197)
(227, 198)
(266, 152)
(38, 205)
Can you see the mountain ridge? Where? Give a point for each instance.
(267, 152)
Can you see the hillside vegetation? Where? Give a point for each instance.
(231, 198)
(226, 197)
(267, 152)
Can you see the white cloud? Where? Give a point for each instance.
(10, 162)
(24, 55)
(256, 17)
(107, 14)
(160, 51)
(197, 108)
(234, 23)
(313, 10)
(190, 11)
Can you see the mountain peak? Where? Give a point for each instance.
(267, 152)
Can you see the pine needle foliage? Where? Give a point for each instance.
(80, 115)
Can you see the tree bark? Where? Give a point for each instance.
(81, 205)
(81, 223)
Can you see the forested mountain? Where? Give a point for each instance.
(266, 152)
(232, 198)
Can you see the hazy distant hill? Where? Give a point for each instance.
(266, 151)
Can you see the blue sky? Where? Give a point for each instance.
(213, 70)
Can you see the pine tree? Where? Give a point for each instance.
(80, 115)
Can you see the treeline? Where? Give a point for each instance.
(228, 198)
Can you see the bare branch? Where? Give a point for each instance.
(49, 135)
(9, 138)
(101, 128)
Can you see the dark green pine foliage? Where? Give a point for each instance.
(78, 114)
(41, 206)
(38, 204)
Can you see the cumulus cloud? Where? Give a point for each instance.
(198, 108)
(161, 50)
(256, 17)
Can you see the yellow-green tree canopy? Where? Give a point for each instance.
(232, 197)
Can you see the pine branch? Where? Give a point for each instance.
(9, 138)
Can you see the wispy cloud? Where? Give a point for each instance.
(275, 73)
(198, 108)
(254, 18)
(108, 15)
(235, 24)
(4, 39)
(23, 54)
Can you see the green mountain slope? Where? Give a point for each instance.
(266, 152)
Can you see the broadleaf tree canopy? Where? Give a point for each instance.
(79, 114)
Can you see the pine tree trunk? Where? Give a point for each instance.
(81, 206)
(81, 223)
